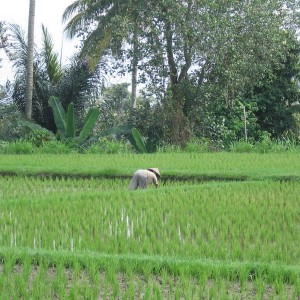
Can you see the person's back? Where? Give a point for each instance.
(141, 178)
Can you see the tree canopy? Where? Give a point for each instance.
(204, 68)
(227, 45)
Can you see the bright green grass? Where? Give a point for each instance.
(212, 165)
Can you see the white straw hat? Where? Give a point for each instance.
(155, 170)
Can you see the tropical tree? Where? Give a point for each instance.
(232, 41)
(104, 26)
(71, 83)
(114, 106)
(29, 62)
(3, 39)
(278, 92)
(211, 40)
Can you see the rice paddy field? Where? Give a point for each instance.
(220, 226)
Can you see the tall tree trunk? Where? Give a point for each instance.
(177, 117)
(29, 67)
(134, 66)
(178, 120)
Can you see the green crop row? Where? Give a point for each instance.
(180, 165)
(49, 275)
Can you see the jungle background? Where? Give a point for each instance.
(202, 76)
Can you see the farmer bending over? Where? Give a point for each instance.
(141, 178)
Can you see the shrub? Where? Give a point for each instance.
(265, 144)
(241, 147)
(107, 146)
(12, 123)
(40, 137)
(169, 148)
(3, 146)
(19, 147)
(54, 147)
(197, 145)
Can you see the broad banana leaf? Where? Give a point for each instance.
(59, 115)
(118, 131)
(33, 126)
(139, 143)
(70, 121)
(89, 122)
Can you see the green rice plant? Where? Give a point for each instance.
(178, 286)
(260, 287)
(156, 292)
(243, 277)
(296, 290)
(211, 292)
(115, 289)
(130, 292)
(278, 286)
(3, 288)
(202, 282)
(148, 292)
(21, 287)
(60, 281)
(9, 263)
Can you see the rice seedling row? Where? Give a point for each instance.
(43, 279)
(207, 165)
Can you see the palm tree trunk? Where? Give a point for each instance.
(29, 77)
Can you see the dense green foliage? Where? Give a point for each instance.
(66, 123)
(220, 76)
(72, 83)
(199, 70)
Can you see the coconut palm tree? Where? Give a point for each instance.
(29, 67)
(104, 26)
(3, 38)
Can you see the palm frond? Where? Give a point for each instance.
(18, 47)
(51, 58)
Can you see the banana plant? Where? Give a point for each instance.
(137, 141)
(65, 121)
